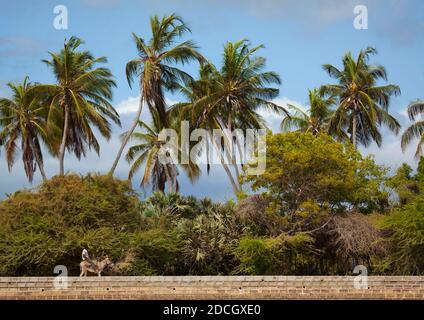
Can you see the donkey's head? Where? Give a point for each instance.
(108, 262)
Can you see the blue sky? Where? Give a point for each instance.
(299, 36)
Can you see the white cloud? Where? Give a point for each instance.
(131, 105)
(128, 106)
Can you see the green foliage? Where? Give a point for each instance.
(158, 248)
(420, 171)
(415, 130)
(405, 227)
(279, 255)
(302, 167)
(208, 240)
(362, 102)
(50, 225)
(256, 256)
(405, 184)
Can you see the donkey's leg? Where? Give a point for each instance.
(99, 274)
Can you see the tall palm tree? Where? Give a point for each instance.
(416, 130)
(154, 68)
(362, 104)
(314, 120)
(79, 100)
(22, 118)
(230, 97)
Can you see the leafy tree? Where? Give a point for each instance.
(23, 118)
(79, 101)
(302, 168)
(416, 130)
(404, 183)
(362, 103)
(154, 68)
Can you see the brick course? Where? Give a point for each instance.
(212, 287)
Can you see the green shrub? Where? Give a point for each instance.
(405, 232)
(257, 256)
(158, 249)
(280, 255)
(50, 225)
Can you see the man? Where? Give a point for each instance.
(86, 257)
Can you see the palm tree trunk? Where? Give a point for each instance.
(127, 137)
(231, 157)
(63, 143)
(353, 137)
(235, 185)
(241, 153)
(41, 167)
(169, 180)
(230, 150)
(38, 159)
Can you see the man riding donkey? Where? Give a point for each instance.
(91, 265)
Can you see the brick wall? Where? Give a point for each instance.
(212, 287)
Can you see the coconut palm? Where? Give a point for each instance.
(416, 130)
(152, 152)
(231, 97)
(362, 104)
(79, 100)
(22, 118)
(154, 67)
(315, 120)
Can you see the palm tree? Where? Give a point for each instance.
(362, 104)
(149, 152)
(153, 152)
(314, 120)
(79, 100)
(230, 97)
(153, 67)
(416, 130)
(23, 118)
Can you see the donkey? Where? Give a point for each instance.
(95, 267)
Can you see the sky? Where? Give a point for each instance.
(299, 37)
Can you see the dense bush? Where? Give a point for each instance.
(279, 255)
(405, 234)
(50, 225)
